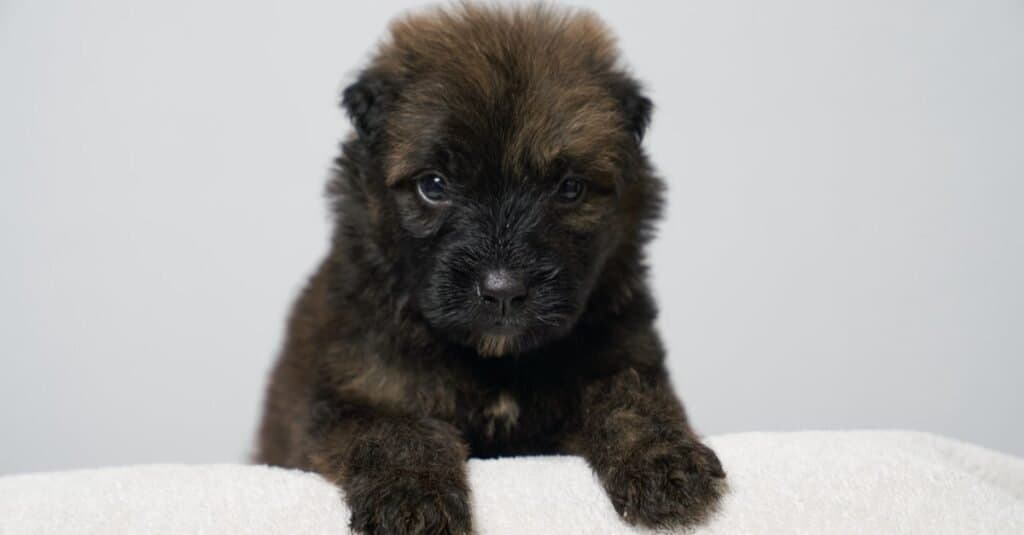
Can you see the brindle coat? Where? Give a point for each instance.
(392, 375)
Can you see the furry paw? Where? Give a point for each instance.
(425, 506)
(667, 486)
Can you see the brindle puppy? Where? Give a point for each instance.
(485, 292)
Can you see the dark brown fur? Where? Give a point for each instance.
(384, 390)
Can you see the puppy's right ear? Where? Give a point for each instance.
(366, 102)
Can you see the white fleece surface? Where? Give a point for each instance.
(780, 483)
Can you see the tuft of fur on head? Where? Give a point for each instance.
(507, 101)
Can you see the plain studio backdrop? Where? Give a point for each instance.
(843, 246)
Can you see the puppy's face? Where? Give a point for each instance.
(507, 248)
(508, 179)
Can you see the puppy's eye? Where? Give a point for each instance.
(571, 189)
(432, 187)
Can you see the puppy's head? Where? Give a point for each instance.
(497, 163)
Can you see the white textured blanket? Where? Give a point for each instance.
(785, 483)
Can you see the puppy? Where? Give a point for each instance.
(485, 291)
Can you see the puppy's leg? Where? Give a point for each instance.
(635, 436)
(400, 473)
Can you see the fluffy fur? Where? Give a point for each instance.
(396, 368)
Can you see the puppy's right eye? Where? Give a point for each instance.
(432, 187)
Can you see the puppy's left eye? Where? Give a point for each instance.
(571, 189)
(432, 187)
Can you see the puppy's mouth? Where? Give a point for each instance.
(497, 335)
(502, 328)
(509, 336)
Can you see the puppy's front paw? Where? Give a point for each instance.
(422, 506)
(665, 486)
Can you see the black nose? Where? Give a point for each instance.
(503, 288)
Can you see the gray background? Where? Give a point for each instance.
(843, 246)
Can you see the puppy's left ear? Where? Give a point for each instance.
(366, 101)
(635, 105)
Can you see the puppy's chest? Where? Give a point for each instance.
(497, 414)
(513, 419)
(499, 409)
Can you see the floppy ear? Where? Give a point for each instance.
(635, 106)
(366, 102)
